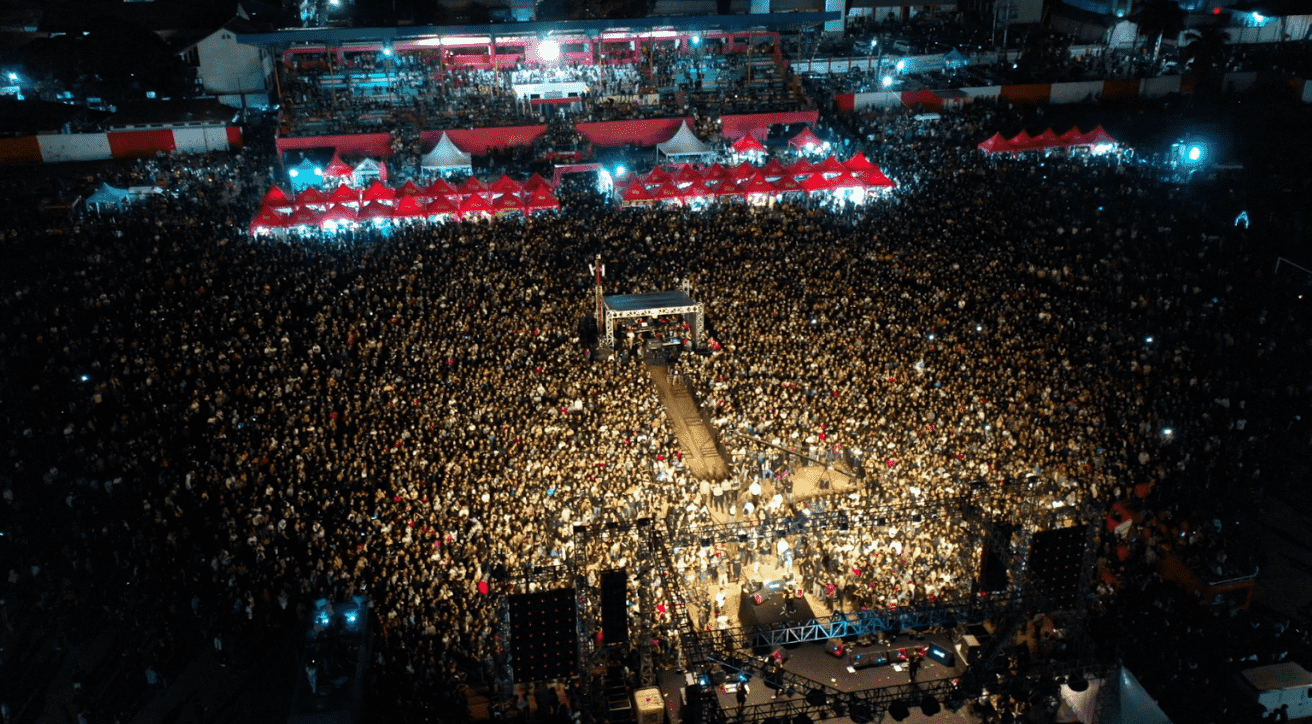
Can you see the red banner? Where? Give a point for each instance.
(758, 125)
(925, 98)
(140, 144)
(647, 132)
(478, 141)
(1033, 94)
(360, 144)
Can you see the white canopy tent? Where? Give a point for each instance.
(684, 143)
(446, 157)
(1127, 703)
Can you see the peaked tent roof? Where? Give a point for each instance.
(773, 169)
(1096, 137)
(683, 143)
(310, 196)
(345, 195)
(757, 185)
(859, 162)
(801, 167)
(742, 171)
(1020, 142)
(686, 174)
(445, 156)
(472, 185)
(806, 138)
(506, 185)
(267, 218)
(1070, 138)
(440, 187)
(337, 212)
(1047, 139)
(787, 183)
(748, 144)
(875, 178)
(715, 172)
(475, 204)
(409, 188)
(507, 202)
(378, 192)
(337, 168)
(535, 182)
(303, 216)
(666, 191)
(375, 210)
(409, 207)
(542, 198)
(994, 144)
(816, 182)
(368, 165)
(831, 165)
(636, 192)
(275, 197)
(443, 204)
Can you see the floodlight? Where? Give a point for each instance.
(1258, 18)
(888, 81)
(13, 75)
(549, 50)
(696, 40)
(1168, 431)
(293, 173)
(318, 171)
(620, 170)
(387, 50)
(1195, 153)
(901, 65)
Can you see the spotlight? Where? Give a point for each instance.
(293, 173)
(387, 50)
(898, 710)
(13, 75)
(85, 378)
(888, 81)
(1168, 431)
(318, 171)
(1259, 18)
(549, 50)
(1195, 153)
(901, 66)
(929, 706)
(620, 170)
(696, 40)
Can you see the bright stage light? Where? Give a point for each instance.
(696, 40)
(293, 173)
(1258, 18)
(549, 50)
(901, 65)
(1168, 432)
(888, 81)
(13, 75)
(387, 50)
(1195, 153)
(318, 171)
(620, 170)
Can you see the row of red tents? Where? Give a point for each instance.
(1025, 142)
(683, 181)
(345, 205)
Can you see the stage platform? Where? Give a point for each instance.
(774, 609)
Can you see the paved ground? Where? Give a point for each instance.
(698, 441)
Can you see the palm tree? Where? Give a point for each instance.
(1159, 18)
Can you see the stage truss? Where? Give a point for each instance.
(655, 304)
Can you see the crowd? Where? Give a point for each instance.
(232, 427)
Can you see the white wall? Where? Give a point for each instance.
(200, 140)
(881, 99)
(1158, 87)
(1075, 92)
(835, 6)
(228, 67)
(74, 147)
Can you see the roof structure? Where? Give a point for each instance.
(640, 305)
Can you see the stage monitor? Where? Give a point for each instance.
(543, 635)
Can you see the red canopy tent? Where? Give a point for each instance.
(656, 177)
(443, 206)
(747, 144)
(773, 170)
(801, 167)
(816, 182)
(667, 192)
(742, 171)
(756, 185)
(409, 189)
(535, 182)
(338, 214)
(375, 210)
(378, 192)
(508, 202)
(787, 184)
(440, 187)
(310, 197)
(846, 181)
(994, 144)
(1096, 137)
(337, 169)
(1070, 138)
(472, 185)
(506, 185)
(697, 189)
(274, 198)
(345, 195)
(541, 198)
(715, 172)
(635, 194)
(475, 205)
(806, 140)
(859, 162)
(409, 207)
(1047, 139)
(266, 219)
(685, 175)
(874, 178)
(1022, 141)
(831, 167)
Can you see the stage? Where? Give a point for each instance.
(775, 606)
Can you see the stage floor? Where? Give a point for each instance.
(811, 661)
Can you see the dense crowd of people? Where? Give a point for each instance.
(219, 430)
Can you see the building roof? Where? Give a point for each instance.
(1278, 676)
(33, 116)
(166, 113)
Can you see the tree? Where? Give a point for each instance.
(1158, 18)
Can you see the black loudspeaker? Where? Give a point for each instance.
(614, 608)
(543, 635)
(692, 707)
